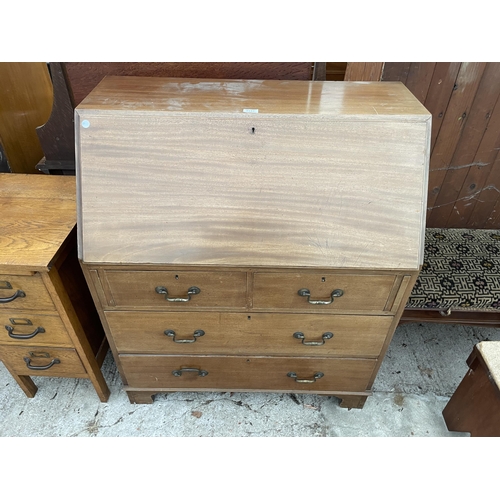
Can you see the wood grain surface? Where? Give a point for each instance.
(55, 333)
(247, 372)
(70, 364)
(84, 76)
(25, 103)
(376, 101)
(38, 213)
(463, 98)
(36, 296)
(138, 289)
(253, 334)
(340, 182)
(361, 292)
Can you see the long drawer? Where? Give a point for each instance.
(32, 328)
(322, 292)
(247, 372)
(176, 290)
(24, 292)
(43, 361)
(253, 334)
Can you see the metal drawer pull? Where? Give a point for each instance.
(325, 336)
(55, 361)
(194, 290)
(19, 293)
(316, 376)
(196, 333)
(13, 335)
(201, 373)
(304, 292)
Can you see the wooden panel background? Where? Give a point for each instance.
(72, 82)
(25, 103)
(463, 97)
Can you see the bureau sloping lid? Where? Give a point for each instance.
(252, 173)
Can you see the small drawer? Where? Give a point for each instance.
(175, 290)
(252, 334)
(322, 292)
(35, 329)
(43, 361)
(24, 292)
(247, 373)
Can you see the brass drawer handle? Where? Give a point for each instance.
(178, 373)
(194, 290)
(325, 336)
(13, 335)
(304, 292)
(316, 376)
(55, 361)
(19, 293)
(196, 334)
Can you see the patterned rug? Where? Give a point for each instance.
(461, 271)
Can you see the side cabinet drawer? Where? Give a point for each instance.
(177, 291)
(322, 292)
(246, 372)
(24, 292)
(32, 328)
(41, 361)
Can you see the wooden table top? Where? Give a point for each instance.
(379, 101)
(37, 213)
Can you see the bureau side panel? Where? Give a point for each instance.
(252, 190)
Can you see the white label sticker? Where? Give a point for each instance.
(250, 111)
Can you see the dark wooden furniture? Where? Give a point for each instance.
(475, 405)
(50, 326)
(72, 82)
(248, 235)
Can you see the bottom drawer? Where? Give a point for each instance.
(41, 361)
(247, 372)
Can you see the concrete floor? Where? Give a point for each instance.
(424, 365)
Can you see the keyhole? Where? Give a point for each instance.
(323, 279)
(176, 276)
(252, 130)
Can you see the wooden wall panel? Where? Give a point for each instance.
(464, 178)
(439, 93)
(335, 71)
(481, 180)
(445, 211)
(447, 141)
(363, 72)
(419, 79)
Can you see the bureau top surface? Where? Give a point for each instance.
(37, 214)
(380, 100)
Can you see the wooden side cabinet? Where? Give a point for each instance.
(49, 324)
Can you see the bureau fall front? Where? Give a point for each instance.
(250, 235)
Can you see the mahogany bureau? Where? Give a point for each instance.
(48, 320)
(250, 235)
